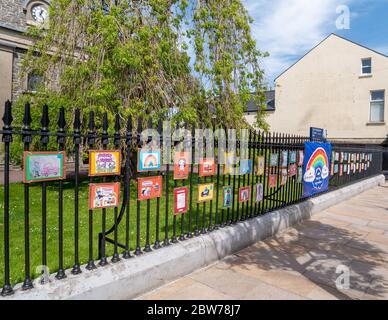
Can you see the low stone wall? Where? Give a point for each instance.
(131, 278)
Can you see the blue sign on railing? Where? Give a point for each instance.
(317, 133)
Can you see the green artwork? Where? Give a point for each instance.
(44, 166)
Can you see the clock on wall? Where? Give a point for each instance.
(39, 13)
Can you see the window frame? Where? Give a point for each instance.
(27, 83)
(370, 66)
(370, 105)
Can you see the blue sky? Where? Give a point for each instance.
(287, 29)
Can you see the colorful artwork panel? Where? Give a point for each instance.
(244, 194)
(149, 160)
(44, 166)
(180, 200)
(181, 165)
(104, 195)
(104, 162)
(205, 192)
(227, 197)
(207, 167)
(149, 187)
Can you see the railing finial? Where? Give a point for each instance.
(7, 117)
(77, 126)
(61, 138)
(77, 120)
(105, 126)
(45, 120)
(92, 124)
(61, 120)
(27, 117)
(105, 123)
(117, 130)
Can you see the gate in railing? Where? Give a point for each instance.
(56, 220)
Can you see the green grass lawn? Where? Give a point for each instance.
(17, 224)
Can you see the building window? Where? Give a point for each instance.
(34, 81)
(366, 66)
(377, 106)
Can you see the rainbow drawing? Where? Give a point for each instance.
(316, 167)
(149, 160)
(318, 159)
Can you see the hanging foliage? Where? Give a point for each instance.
(227, 59)
(147, 58)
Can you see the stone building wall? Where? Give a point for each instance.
(12, 15)
(18, 84)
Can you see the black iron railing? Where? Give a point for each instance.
(60, 231)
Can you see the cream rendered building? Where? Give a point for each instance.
(339, 86)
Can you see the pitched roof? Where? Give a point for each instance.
(269, 100)
(331, 35)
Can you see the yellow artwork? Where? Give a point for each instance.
(260, 165)
(205, 192)
(104, 162)
(229, 163)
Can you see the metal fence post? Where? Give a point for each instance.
(77, 141)
(7, 139)
(91, 140)
(61, 139)
(27, 139)
(44, 139)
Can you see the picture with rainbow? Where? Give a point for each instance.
(149, 160)
(316, 168)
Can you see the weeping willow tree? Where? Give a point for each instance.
(145, 57)
(227, 59)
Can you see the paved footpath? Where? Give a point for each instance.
(301, 262)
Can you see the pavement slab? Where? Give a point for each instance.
(308, 261)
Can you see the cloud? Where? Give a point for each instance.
(287, 29)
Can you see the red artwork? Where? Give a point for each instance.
(292, 170)
(180, 200)
(149, 187)
(181, 165)
(272, 181)
(104, 195)
(244, 194)
(207, 167)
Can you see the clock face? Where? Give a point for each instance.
(39, 13)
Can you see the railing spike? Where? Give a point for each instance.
(105, 123)
(92, 124)
(27, 117)
(77, 120)
(61, 119)
(139, 125)
(7, 117)
(117, 130)
(117, 123)
(105, 126)
(77, 126)
(45, 119)
(61, 126)
(27, 124)
(129, 124)
(160, 126)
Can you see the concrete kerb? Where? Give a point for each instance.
(131, 278)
